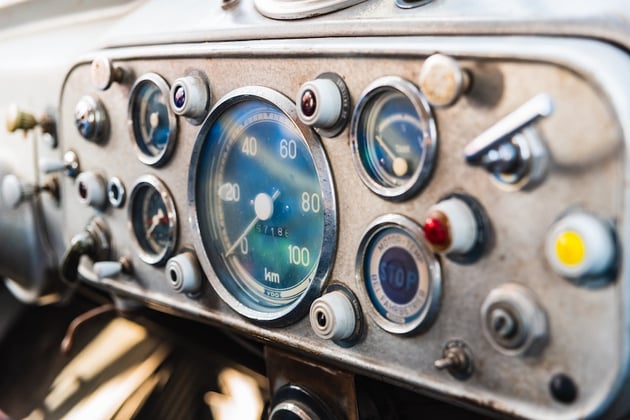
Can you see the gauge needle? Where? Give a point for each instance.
(263, 206)
(156, 220)
(399, 165)
(154, 121)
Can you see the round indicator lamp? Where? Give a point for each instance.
(399, 275)
(152, 125)
(394, 138)
(582, 247)
(261, 198)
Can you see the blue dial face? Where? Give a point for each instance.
(260, 206)
(396, 276)
(150, 118)
(151, 222)
(390, 139)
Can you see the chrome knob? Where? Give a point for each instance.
(104, 73)
(443, 81)
(90, 119)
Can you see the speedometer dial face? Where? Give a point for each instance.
(152, 125)
(261, 195)
(394, 138)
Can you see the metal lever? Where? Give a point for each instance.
(511, 150)
(539, 106)
(92, 242)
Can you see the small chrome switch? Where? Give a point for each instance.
(104, 73)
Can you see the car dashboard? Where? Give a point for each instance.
(429, 194)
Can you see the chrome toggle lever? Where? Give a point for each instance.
(511, 150)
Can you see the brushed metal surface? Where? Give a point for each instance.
(588, 328)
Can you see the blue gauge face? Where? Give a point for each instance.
(391, 141)
(399, 275)
(152, 124)
(260, 205)
(393, 138)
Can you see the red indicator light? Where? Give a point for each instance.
(436, 230)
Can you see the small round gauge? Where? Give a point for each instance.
(399, 276)
(394, 138)
(152, 219)
(261, 198)
(152, 125)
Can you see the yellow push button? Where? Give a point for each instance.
(570, 248)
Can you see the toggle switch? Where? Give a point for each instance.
(458, 227)
(582, 248)
(456, 359)
(443, 81)
(324, 103)
(511, 150)
(69, 164)
(108, 269)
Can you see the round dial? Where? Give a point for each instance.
(262, 199)
(151, 123)
(393, 138)
(400, 277)
(152, 219)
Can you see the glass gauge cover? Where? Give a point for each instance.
(152, 220)
(399, 276)
(262, 200)
(152, 125)
(394, 138)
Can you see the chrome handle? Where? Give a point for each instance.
(539, 106)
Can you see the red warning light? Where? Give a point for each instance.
(436, 230)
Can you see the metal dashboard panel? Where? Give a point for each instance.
(588, 327)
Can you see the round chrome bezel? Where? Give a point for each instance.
(164, 88)
(297, 309)
(425, 167)
(432, 303)
(150, 181)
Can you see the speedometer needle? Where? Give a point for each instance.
(399, 165)
(263, 206)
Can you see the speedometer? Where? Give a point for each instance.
(262, 202)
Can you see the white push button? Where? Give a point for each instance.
(450, 227)
(332, 316)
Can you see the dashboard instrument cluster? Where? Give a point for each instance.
(440, 246)
(447, 214)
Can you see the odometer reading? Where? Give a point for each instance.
(262, 196)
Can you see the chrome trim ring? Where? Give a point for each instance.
(429, 139)
(150, 181)
(295, 310)
(162, 157)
